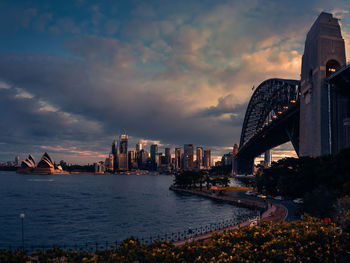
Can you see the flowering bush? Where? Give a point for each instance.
(310, 240)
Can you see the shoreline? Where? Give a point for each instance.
(271, 212)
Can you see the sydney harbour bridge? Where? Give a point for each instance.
(312, 113)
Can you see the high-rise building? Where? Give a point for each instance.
(199, 155)
(131, 160)
(123, 153)
(144, 156)
(207, 158)
(110, 163)
(154, 154)
(154, 151)
(188, 155)
(168, 155)
(177, 158)
(138, 146)
(115, 152)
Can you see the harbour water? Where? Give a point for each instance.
(80, 208)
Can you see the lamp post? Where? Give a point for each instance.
(22, 219)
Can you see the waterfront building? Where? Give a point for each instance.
(123, 153)
(207, 158)
(199, 155)
(168, 155)
(188, 156)
(99, 168)
(132, 161)
(154, 151)
(177, 158)
(44, 166)
(144, 159)
(115, 152)
(227, 159)
(138, 146)
(154, 154)
(109, 163)
(29, 162)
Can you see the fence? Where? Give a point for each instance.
(107, 245)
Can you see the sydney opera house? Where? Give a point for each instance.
(45, 166)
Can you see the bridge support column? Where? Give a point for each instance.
(267, 158)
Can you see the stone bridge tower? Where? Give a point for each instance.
(324, 53)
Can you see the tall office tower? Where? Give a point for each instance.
(177, 158)
(123, 153)
(159, 159)
(110, 166)
(131, 160)
(154, 152)
(199, 154)
(115, 152)
(168, 155)
(188, 155)
(207, 158)
(138, 146)
(17, 161)
(143, 158)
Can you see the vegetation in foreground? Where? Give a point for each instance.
(320, 181)
(311, 240)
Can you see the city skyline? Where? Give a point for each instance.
(73, 74)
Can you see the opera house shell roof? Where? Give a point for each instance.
(29, 162)
(46, 162)
(45, 165)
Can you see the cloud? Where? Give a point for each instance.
(168, 72)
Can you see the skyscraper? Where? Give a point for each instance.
(168, 155)
(115, 152)
(199, 155)
(123, 152)
(154, 154)
(138, 146)
(188, 155)
(131, 160)
(154, 151)
(177, 158)
(207, 158)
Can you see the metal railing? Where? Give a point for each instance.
(108, 245)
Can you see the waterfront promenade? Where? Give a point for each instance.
(270, 211)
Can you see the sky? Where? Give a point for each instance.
(74, 74)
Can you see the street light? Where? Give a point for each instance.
(22, 219)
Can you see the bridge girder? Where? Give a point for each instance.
(270, 120)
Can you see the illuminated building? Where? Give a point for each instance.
(188, 156)
(177, 158)
(199, 155)
(168, 155)
(207, 158)
(115, 152)
(123, 153)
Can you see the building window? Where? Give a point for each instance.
(331, 67)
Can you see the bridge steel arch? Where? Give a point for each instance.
(271, 119)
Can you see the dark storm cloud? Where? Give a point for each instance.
(175, 72)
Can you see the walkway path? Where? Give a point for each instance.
(275, 212)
